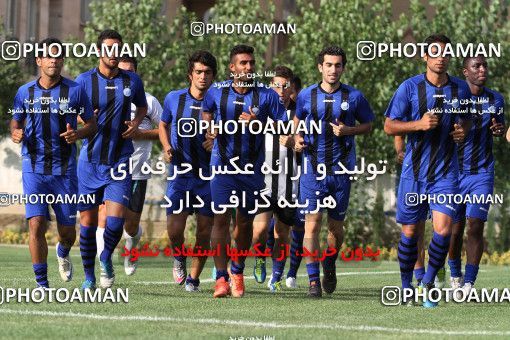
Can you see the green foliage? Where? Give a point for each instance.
(142, 22)
(11, 78)
(329, 22)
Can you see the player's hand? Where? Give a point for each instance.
(497, 129)
(287, 141)
(70, 135)
(458, 133)
(131, 130)
(248, 116)
(211, 134)
(299, 143)
(208, 144)
(400, 157)
(339, 129)
(167, 155)
(17, 135)
(429, 121)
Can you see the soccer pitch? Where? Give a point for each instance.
(158, 307)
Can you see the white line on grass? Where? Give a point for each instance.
(252, 278)
(272, 324)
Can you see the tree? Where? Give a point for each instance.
(11, 78)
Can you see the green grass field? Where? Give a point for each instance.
(159, 308)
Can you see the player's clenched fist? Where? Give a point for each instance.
(17, 135)
(208, 144)
(299, 143)
(458, 133)
(429, 121)
(167, 155)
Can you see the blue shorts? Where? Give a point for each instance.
(313, 190)
(97, 180)
(476, 184)
(180, 187)
(34, 183)
(249, 186)
(411, 210)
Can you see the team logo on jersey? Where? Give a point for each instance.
(63, 106)
(491, 109)
(127, 92)
(455, 102)
(344, 106)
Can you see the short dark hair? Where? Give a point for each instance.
(240, 49)
(467, 59)
(297, 83)
(331, 50)
(437, 38)
(131, 60)
(284, 72)
(108, 34)
(48, 42)
(203, 57)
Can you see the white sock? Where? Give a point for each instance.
(132, 241)
(99, 240)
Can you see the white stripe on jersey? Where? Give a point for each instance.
(277, 158)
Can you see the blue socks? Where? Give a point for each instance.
(41, 274)
(221, 273)
(329, 262)
(438, 249)
(278, 267)
(112, 235)
(471, 273)
(88, 250)
(181, 259)
(295, 245)
(407, 256)
(195, 282)
(313, 270)
(237, 267)
(455, 268)
(270, 235)
(61, 251)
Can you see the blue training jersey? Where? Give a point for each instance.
(346, 105)
(430, 155)
(45, 113)
(113, 98)
(225, 104)
(475, 153)
(180, 109)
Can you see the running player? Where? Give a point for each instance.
(279, 156)
(419, 267)
(183, 107)
(45, 122)
(476, 166)
(427, 108)
(102, 157)
(239, 100)
(337, 107)
(142, 144)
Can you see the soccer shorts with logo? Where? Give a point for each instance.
(479, 185)
(249, 186)
(411, 205)
(104, 182)
(36, 184)
(182, 193)
(314, 190)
